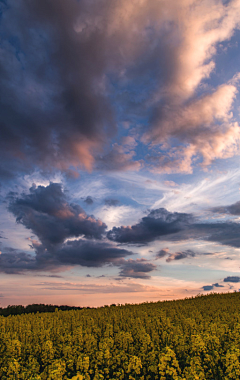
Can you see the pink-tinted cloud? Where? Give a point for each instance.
(205, 125)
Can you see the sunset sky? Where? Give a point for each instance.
(119, 150)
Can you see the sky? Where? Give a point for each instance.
(119, 150)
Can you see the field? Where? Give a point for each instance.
(195, 338)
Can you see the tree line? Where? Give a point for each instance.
(34, 308)
(195, 338)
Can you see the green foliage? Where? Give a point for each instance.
(192, 339)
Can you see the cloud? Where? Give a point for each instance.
(67, 115)
(111, 202)
(180, 255)
(118, 159)
(139, 268)
(207, 287)
(211, 287)
(80, 67)
(97, 288)
(158, 223)
(49, 275)
(170, 183)
(233, 209)
(232, 279)
(88, 200)
(202, 124)
(162, 253)
(86, 253)
(177, 255)
(47, 213)
(204, 127)
(15, 262)
(225, 233)
(89, 253)
(217, 285)
(56, 222)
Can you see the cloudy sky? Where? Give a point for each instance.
(119, 150)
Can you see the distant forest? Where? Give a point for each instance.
(192, 339)
(34, 308)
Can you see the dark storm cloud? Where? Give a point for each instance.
(232, 279)
(111, 202)
(233, 209)
(224, 233)
(54, 109)
(16, 262)
(86, 253)
(139, 268)
(68, 69)
(158, 223)
(88, 200)
(47, 213)
(227, 233)
(13, 261)
(161, 224)
(89, 253)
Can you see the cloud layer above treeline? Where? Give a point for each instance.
(64, 235)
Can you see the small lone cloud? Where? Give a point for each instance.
(89, 201)
(232, 279)
(174, 256)
(207, 287)
(139, 268)
(112, 202)
(162, 253)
